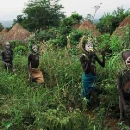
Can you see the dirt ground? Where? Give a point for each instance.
(112, 122)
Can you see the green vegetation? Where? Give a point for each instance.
(58, 105)
(55, 105)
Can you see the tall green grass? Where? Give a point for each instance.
(55, 105)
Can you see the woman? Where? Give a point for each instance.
(88, 60)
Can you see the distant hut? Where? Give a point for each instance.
(86, 25)
(122, 28)
(17, 33)
(4, 31)
(76, 26)
(3, 34)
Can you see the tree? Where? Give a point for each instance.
(75, 18)
(18, 20)
(1, 27)
(89, 17)
(42, 14)
(110, 21)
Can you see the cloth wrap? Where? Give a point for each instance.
(88, 85)
(37, 75)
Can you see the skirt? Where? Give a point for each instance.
(36, 75)
(88, 84)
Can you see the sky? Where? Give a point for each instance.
(9, 9)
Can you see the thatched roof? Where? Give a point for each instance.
(4, 31)
(86, 25)
(76, 26)
(3, 34)
(17, 33)
(122, 28)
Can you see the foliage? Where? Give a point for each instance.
(41, 14)
(45, 35)
(20, 50)
(104, 42)
(75, 36)
(18, 20)
(110, 21)
(1, 27)
(55, 105)
(59, 34)
(72, 20)
(115, 44)
(126, 37)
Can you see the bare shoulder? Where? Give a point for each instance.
(121, 73)
(83, 58)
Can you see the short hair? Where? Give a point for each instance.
(7, 43)
(125, 54)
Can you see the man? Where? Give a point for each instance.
(7, 57)
(123, 86)
(35, 74)
(88, 60)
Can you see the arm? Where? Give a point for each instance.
(29, 67)
(29, 63)
(86, 63)
(102, 63)
(12, 54)
(119, 85)
(3, 57)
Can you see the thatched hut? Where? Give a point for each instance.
(86, 25)
(4, 31)
(3, 34)
(122, 28)
(17, 33)
(76, 26)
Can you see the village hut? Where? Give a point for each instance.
(76, 26)
(86, 25)
(17, 33)
(3, 34)
(4, 31)
(122, 28)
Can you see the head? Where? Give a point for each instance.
(89, 47)
(34, 48)
(126, 57)
(7, 45)
(87, 44)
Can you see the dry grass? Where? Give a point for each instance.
(86, 25)
(2, 35)
(17, 33)
(122, 27)
(4, 31)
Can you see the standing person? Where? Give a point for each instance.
(88, 59)
(123, 85)
(7, 57)
(35, 75)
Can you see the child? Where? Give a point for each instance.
(33, 63)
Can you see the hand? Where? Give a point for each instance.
(91, 54)
(103, 53)
(7, 64)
